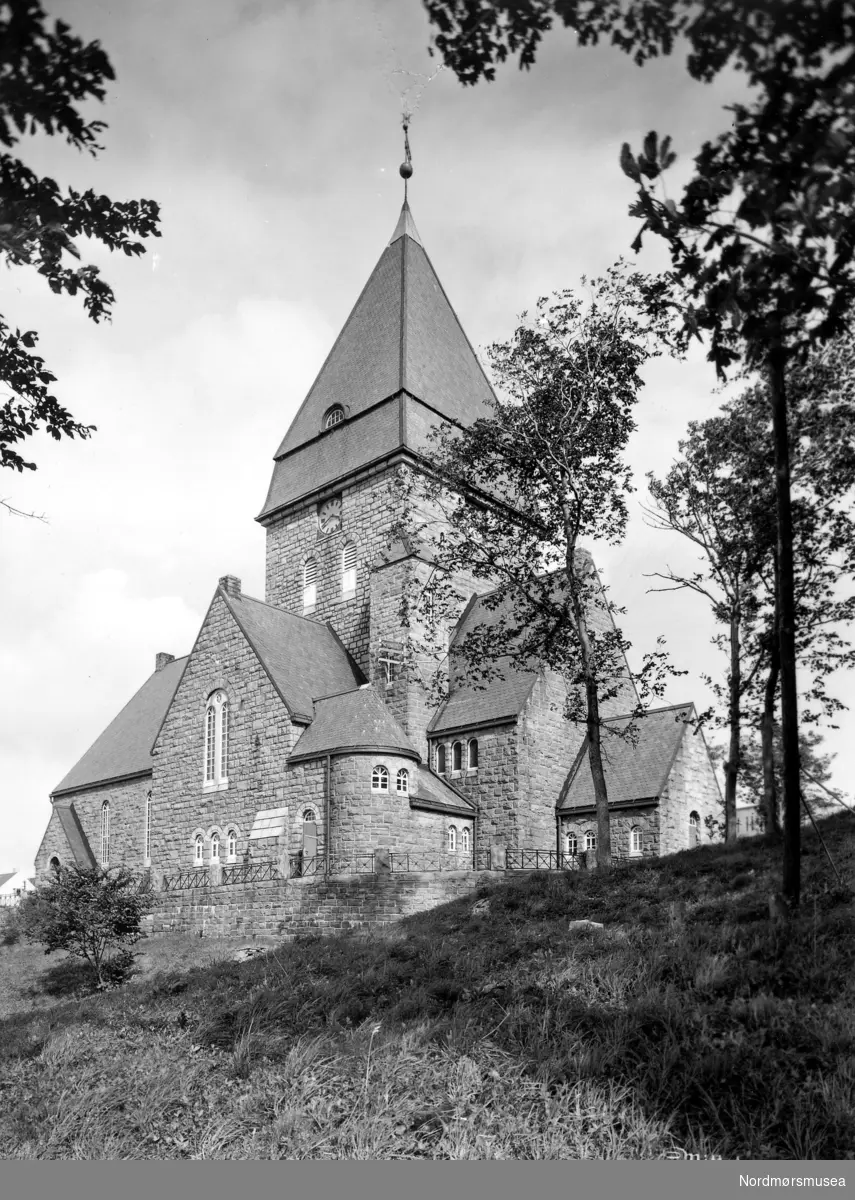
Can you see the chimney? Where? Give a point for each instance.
(230, 585)
(161, 659)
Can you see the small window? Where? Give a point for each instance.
(465, 839)
(472, 754)
(334, 416)
(452, 839)
(217, 741)
(348, 569)
(571, 844)
(105, 834)
(197, 849)
(54, 864)
(694, 829)
(402, 781)
(380, 779)
(231, 846)
(147, 831)
(440, 760)
(310, 584)
(215, 847)
(635, 840)
(457, 756)
(590, 840)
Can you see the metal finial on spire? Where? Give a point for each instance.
(406, 168)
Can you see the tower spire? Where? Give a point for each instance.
(406, 168)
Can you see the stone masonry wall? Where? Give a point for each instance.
(260, 738)
(548, 748)
(367, 520)
(127, 825)
(494, 786)
(622, 822)
(692, 787)
(319, 905)
(363, 820)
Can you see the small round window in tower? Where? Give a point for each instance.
(333, 416)
(329, 515)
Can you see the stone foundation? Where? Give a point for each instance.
(284, 908)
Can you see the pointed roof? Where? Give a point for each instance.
(402, 338)
(124, 748)
(353, 721)
(303, 658)
(633, 771)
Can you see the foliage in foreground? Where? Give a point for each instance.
(92, 912)
(702, 1029)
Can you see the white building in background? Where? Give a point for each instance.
(13, 886)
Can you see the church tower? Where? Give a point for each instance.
(400, 365)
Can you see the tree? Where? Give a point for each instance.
(523, 487)
(823, 799)
(89, 911)
(720, 495)
(761, 244)
(46, 76)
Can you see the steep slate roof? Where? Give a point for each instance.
(356, 720)
(402, 338)
(124, 748)
(502, 697)
(73, 830)
(436, 794)
(304, 658)
(637, 772)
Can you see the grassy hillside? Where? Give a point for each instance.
(689, 1023)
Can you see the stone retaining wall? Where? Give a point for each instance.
(284, 908)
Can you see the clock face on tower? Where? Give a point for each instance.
(329, 515)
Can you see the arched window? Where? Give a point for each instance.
(147, 831)
(348, 569)
(334, 416)
(380, 779)
(465, 839)
(197, 849)
(402, 781)
(231, 846)
(571, 844)
(635, 840)
(694, 829)
(472, 754)
(215, 847)
(105, 834)
(590, 840)
(440, 760)
(217, 741)
(54, 864)
(452, 839)
(310, 584)
(457, 756)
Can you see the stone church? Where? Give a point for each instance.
(297, 726)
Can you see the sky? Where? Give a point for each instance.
(270, 135)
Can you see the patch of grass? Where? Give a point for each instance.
(688, 1023)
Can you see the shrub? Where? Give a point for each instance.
(92, 912)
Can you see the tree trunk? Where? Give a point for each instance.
(767, 743)
(592, 723)
(731, 767)
(786, 627)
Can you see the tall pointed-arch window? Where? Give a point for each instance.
(217, 741)
(105, 833)
(348, 569)
(310, 584)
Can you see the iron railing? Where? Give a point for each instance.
(197, 878)
(540, 860)
(427, 861)
(250, 872)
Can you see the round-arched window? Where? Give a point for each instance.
(465, 840)
(380, 779)
(472, 754)
(635, 844)
(215, 847)
(402, 781)
(197, 849)
(457, 756)
(54, 863)
(452, 838)
(333, 416)
(440, 760)
(571, 844)
(231, 846)
(590, 840)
